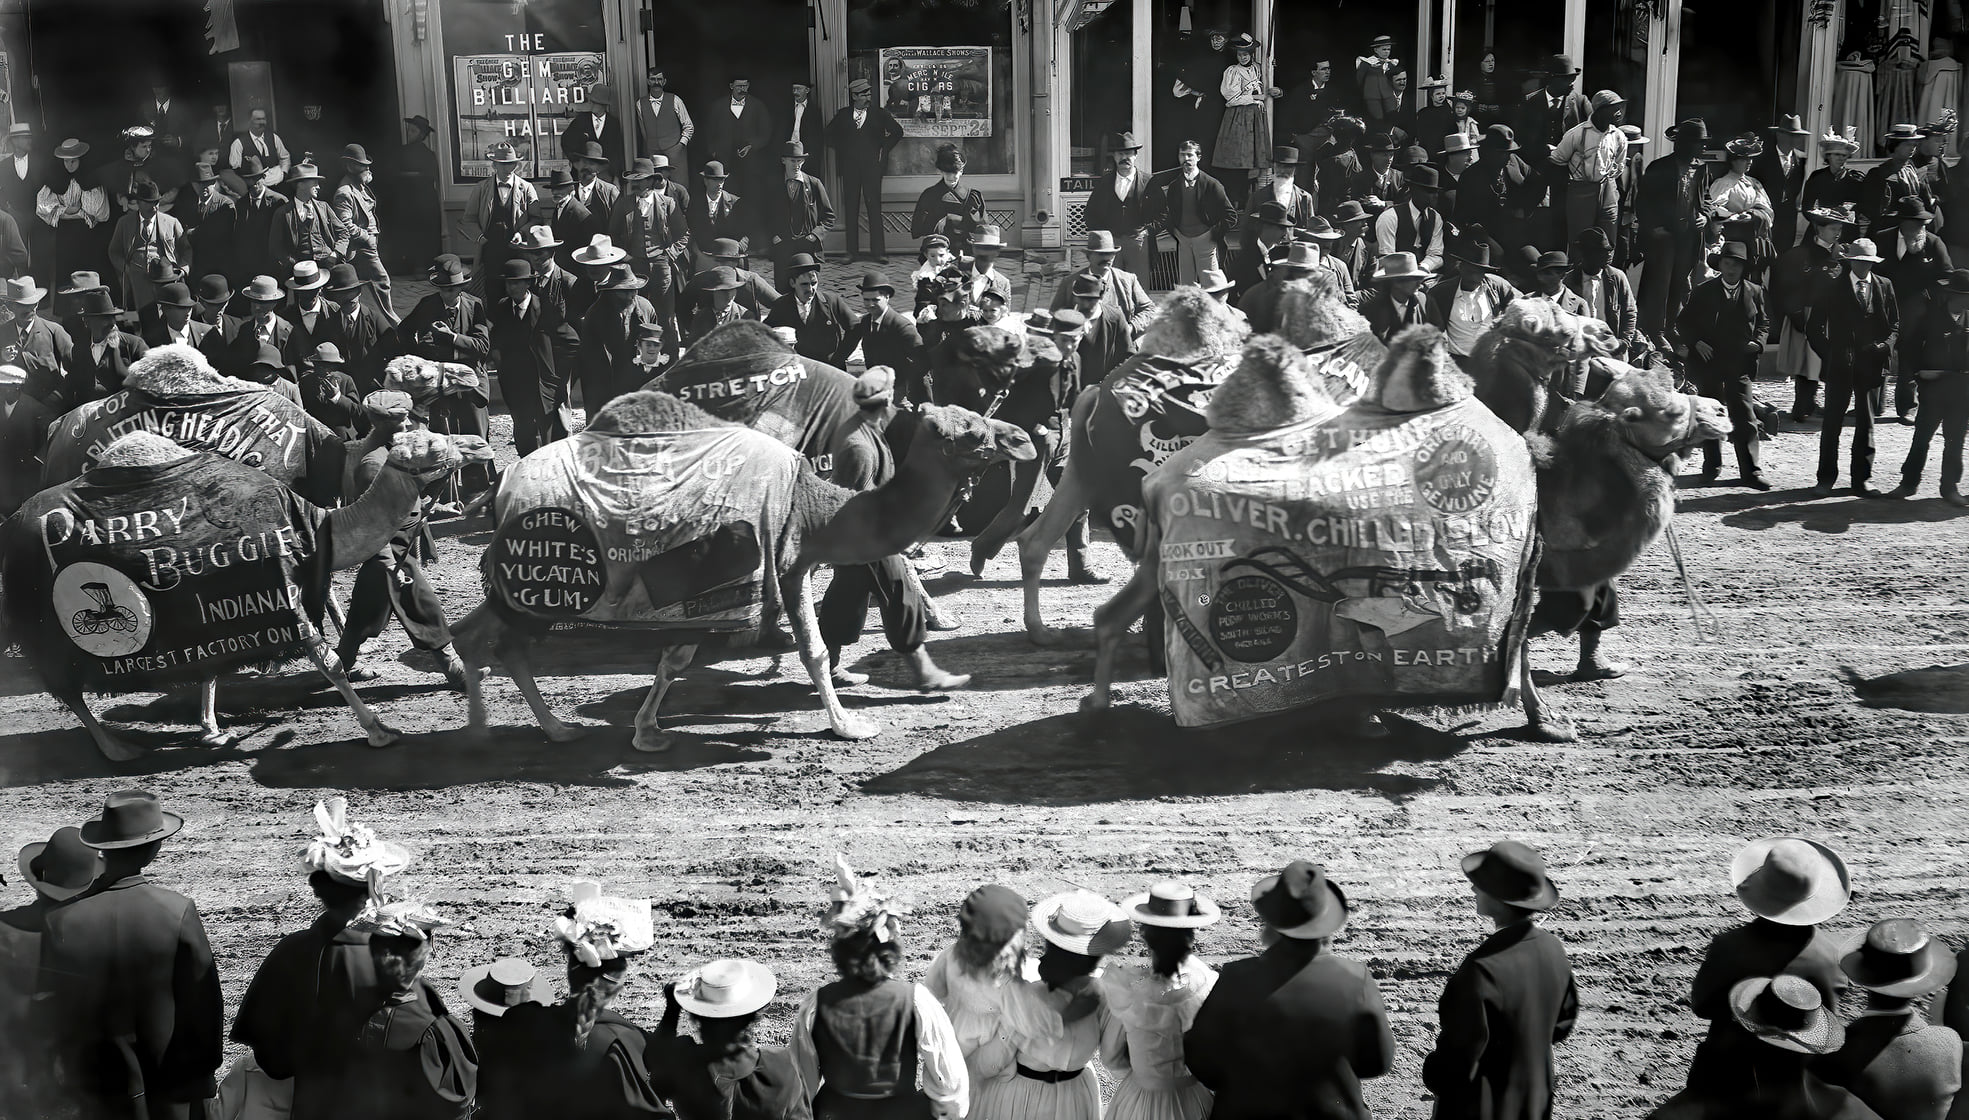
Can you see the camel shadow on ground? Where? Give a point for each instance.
(1008, 661)
(1770, 509)
(1131, 753)
(68, 754)
(1938, 689)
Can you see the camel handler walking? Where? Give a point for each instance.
(392, 581)
(863, 463)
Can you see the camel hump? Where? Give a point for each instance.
(1193, 325)
(142, 449)
(1272, 387)
(649, 410)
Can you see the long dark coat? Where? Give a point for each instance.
(1501, 1013)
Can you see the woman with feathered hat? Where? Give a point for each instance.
(411, 1059)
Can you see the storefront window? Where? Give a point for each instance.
(943, 68)
(1617, 57)
(1735, 63)
(1103, 100)
(518, 72)
(1517, 39)
(1898, 64)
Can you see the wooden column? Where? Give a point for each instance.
(1817, 72)
(1575, 44)
(1046, 129)
(1141, 110)
(1664, 73)
(1448, 46)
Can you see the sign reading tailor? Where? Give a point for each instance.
(678, 530)
(157, 575)
(255, 427)
(938, 91)
(1373, 555)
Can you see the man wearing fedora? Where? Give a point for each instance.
(1196, 212)
(756, 294)
(26, 415)
(1914, 259)
(100, 360)
(1791, 886)
(1604, 290)
(1548, 113)
(538, 246)
(1285, 189)
(28, 339)
(609, 329)
(1509, 1002)
(715, 213)
(1669, 208)
(668, 184)
(1790, 1026)
(1724, 326)
(497, 209)
(263, 327)
(1457, 154)
(59, 869)
(355, 208)
(597, 195)
(1395, 301)
(887, 336)
(1894, 1059)
(1107, 340)
(663, 123)
(1294, 1030)
(1296, 260)
(135, 1012)
(597, 122)
(862, 134)
(716, 292)
(738, 132)
(1853, 325)
(1413, 225)
(569, 222)
(1589, 158)
(174, 324)
(1266, 228)
(521, 328)
(211, 221)
(312, 316)
(1121, 290)
(795, 212)
(1377, 184)
(655, 234)
(1124, 203)
(142, 235)
(307, 228)
(255, 206)
(1352, 249)
(820, 320)
(1798, 276)
(982, 274)
(364, 337)
(1471, 296)
(1780, 167)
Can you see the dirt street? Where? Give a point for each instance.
(1830, 703)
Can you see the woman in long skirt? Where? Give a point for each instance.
(1152, 1004)
(74, 206)
(1244, 141)
(1056, 1021)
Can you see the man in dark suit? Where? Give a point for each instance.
(715, 214)
(22, 171)
(24, 421)
(1547, 114)
(1603, 288)
(214, 296)
(522, 334)
(1780, 167)
(756, 294)
(1124, 203)
(310, 313)
(655, 232)
(820, 320)
(1508, 1003)
(663, 124)
(1295, 1029)
(1378, 184)
(738, 132)
(793, 213)
(211, 222)
(1396, 300)
(136, 1018)
(306, 228)
(1724, 325)
(1669, 210)
(41, 347)
(887, 337)
(169, 117)
(215, 134)
(100, 360)
(597, 195)
(861, 136)
(1853, 328)
(608, 339)
(804, 123)
(1915, 260)
(254, 209)
(600, 123)
(365, 340)
(572, 223)
(173, 322)
(263, 327)
(1196, 211)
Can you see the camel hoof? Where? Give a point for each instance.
(565, 732)
(978, 561)
(655, 742)
(1552, 729)
(848, 678)
(1604, 671)
(1094, 702)
(1072, 637)
(938, 622)
(217, 738)
(854, 728)
(117, 750)
(941, 681)
(383, 735)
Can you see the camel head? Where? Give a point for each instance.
(968, 442)
(142, 449)
(430, 456)
(1196, 330)
(1418, 374)
(1273, 386)
(1652, 416)
(1313, 312)
(177, 370)
(995, 355)
(1517, 360)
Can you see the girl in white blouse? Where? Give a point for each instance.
(1151, 1004)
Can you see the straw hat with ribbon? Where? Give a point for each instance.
(497, 988)
(598, 927)
(406, 917)
(1082, 922)
(726, 989)
(1171, 904)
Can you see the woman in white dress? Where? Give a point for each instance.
(1741, 205)
(970, 977)
(1055, 1021)
(1152, 1003)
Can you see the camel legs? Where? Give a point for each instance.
(798, 591)
(380, 734)
(1025, 480)
(516, 654)
(113, 746)
(1541, 725)
(1111, 622)
(1069, 501)
(208, 714)
(650, 737)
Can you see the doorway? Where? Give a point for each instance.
(1736, 56)
(1181, 45)
(1520, 38)
(702, 47)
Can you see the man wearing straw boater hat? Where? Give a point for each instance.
(1894, 1059)
(1791, 885)
(300, 1013)
(1509, 1001)
(135, 1015)
(306, 228)
(1295, 1023)
(1854, 321)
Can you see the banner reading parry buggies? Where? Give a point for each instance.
(253, 426)
(1367, 555)
(672, 530)
(155, 575)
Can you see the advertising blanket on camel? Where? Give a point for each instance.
(666, 530)
(1366, 554)
(154, 575)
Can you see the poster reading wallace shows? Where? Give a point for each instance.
(1372, 555)
(526, 100)
(938, 91)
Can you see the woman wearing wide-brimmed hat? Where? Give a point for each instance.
(856, 1040)
(1151, 1003)
(1894, 1059)
(1788, 1028)
(1055, 1018)
(1738, 201)
(971, 975)
(1791, 885)
(945, 207)
(725, 1074)
(300, 1013)
(578, 1059)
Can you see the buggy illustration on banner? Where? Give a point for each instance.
(938, 91)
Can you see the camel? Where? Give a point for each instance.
(1515, 363)
(828, 525)
(351, 533)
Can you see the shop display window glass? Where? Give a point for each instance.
(518, 73)
(957, 89)
(1103, 86)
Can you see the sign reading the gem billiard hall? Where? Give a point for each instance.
(938, 91)
(524, 97)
